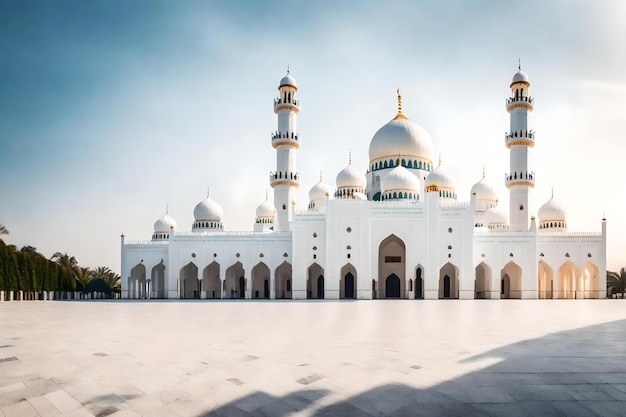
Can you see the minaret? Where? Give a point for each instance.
(520, 139)
(286, 140)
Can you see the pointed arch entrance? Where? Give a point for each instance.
(482, 282)
(260, 281)
(158, 281)
(235, 281)
(137, 282)
(283, 280)
(391, 267)
(449, 281)
(511, 281)
(392, 286)
(419, 282)
(347, 284)
(544, 283)
(566, 281)
(211, 283)
(315, 282)
(189, 284)
(590, 280)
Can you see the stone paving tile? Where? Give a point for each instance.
(296, 358)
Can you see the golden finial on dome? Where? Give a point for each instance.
(439, 159)
(287, 69)
(167, 211)
(552, 192)
(208, 193)
(350, 157)
(483, 172)
(320, 175)
(400, 115)
(519, 64)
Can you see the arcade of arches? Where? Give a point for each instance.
(567, 281)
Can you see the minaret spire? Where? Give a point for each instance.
(520, 139)
(286, 140)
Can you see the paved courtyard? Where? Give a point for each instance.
(314, 358)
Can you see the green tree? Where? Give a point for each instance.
(106, 281)
(616, 282)
(83, 278)
(67, 272)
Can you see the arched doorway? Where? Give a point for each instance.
(211, 282)
(235, 276)
(137, 282)
(282, 278)
(391, 261)
(566, 281)
(419, 283)
(590, 280)
(189, 281)
(482, 283)
(347, 283)
(260, 276)
(449, 281)
(158, 281)
(314, 273)
(545, 281)
(511, 281)
(392, 286)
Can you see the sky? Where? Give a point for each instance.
(111, 110)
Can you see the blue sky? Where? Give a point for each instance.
(109, 110)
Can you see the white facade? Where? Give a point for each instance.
(396, 232)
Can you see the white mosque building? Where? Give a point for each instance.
(397, 231)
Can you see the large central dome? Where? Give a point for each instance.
(401, 137)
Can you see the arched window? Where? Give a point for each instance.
(391, 163)
(403, 162)
(395, 195)
(385, 165)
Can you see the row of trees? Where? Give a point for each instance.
(28, 270)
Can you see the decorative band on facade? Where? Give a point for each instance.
(292, 143)
(520, 142)
(289, 183)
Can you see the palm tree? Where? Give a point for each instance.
(68, 262)
(616, 281)
(3, 230)
(83, 278)
(105, 280)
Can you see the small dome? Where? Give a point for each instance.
(483, 190)
(266, 209)
(288, 80)
(164, 224)
(552, 211)
(350, 177)
(496, 216)
(359, 196)
(208, 210)
(520, 77)
(400, 179)
(320, 190)
(442, 178)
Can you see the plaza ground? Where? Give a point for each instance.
(313, 358)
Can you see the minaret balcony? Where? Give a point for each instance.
(519, 138)
(289, 104)
(285, 139)
(520, 178)
(284, 178)
(520, 101)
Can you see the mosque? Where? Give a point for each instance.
(397, 231)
